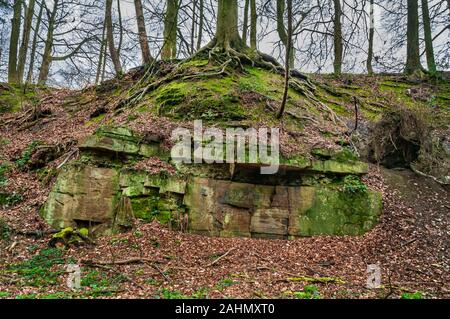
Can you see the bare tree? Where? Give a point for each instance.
(288, 49)
(338, 42)
(169, 50)
(25, 40)
(371, 37)
(429, 49)
(413, 48)
(143, 40)
(13, 76)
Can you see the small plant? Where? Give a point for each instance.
(37, 271)
(224, 283)
(26, 154)
(169, 294)
(152, 282)
(416, 295)
(4, 230)
(353, 185)
(4, 168)
(309, 292)
(8, 200)
(4, 294)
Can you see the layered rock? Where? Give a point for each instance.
(306, 197)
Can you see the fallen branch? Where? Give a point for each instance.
(428, 176)
(219, 258)
(317, 280)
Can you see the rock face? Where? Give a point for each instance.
(83, 195)
(305, 199)
(224, 208)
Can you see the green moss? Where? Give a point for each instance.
(340, 213)
(14, 97)
(95, 120)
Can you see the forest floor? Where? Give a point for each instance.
(410, 244)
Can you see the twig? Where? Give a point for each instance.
(219, 258)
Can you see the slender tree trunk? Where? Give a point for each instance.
(101, 55)
(245, 23)
(13, 76)
(282, 31)
(25, 40)
(413, 50)
(34, 44)
(110, 36)
(288, 49)
(47, 56)
(119, 18)
(193, 27)
(371, 36)
(253, 21)
(143, 41)
(105, 55)
(428, 37)
(169, 50)
(200, 25)
(338, 45)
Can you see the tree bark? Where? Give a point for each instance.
(119, 19)
(34, 44)
(371, 37)
(413, 50)
(200, 25)
(47, 56)
(288, 49)
(428, 37)
(282, 31)
(338, 45)
(245, 23)
(253, 21)
(143, 40)
(14, 42)
(169, 49)
(193, 27)
(110, 38)
(227, 35)
(25, 41)
(101, 55)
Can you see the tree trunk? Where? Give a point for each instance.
(371, 36)
(143, 41)
(169, 49)
(25, 40)
(200, 25)
(282, 31)
(338, 45)
(110, 38)
(101, 55)
(47, 56)
(253, 21)
(119, 18)
(34, 44)
(288, 49)
(245, 24)
(14, 42)
(193, 27)
(413, 49)
(227, 35)
(428, 38)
